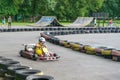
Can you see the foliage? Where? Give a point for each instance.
(9, 7)
(112, 7)
(62, 9)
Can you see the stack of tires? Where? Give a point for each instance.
(13, 70)
(37, 77)
(23, 74)
(61, 43)
(107, 53)
(75, 46)
(99, 50)
(66, 44)
(89, 49)
(116, 55)
(4, 64)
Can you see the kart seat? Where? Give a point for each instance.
(30, 49)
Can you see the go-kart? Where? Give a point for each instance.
(29, 52)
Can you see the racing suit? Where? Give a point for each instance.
(39, 49)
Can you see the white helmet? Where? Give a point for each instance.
(41, 39)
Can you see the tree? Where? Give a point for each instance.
(71, 9)
(51, 7)
(61, 9)
(24, 9)
(77, 8)
(112, 7)
(9, 7)
(94, 6)
(43, 7)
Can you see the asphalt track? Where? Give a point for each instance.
(72, 65)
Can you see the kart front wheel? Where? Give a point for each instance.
(35, 57)
(55, 55)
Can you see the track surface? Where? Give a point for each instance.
(72, 65)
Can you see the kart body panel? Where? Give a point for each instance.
(29, 53)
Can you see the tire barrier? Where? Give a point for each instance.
(2, 71)
(85, 31)
(75, 46)
(67, 30)
(98, 50)
(13, 70)
(66, 44)
(107, 53)
(54, 40)
(116, 55)
(46, 35)
(90, 49)
(4, 59)
(4, 64)
(23, 74)
(82, 48)
(61, 42)
(39, 77)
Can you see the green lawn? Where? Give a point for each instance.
(17, 23)
(26, 23)
(20, 23)
(116, 23)
(65, 23)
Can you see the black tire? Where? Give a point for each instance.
(5, 64)
(2, 70)
(12, 69)
(35, 57)
(21, 52)
(107, 56)
(39, 77)
(1, 57)
(55, 54)
(9, 77)
(22, 74)
(5, 59)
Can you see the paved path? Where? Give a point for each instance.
(72, 65)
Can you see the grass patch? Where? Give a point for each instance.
(17, 24)
(65, 23)
(116, 23)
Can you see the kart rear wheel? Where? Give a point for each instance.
(21, 52)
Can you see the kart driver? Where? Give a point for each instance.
(40, 48)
